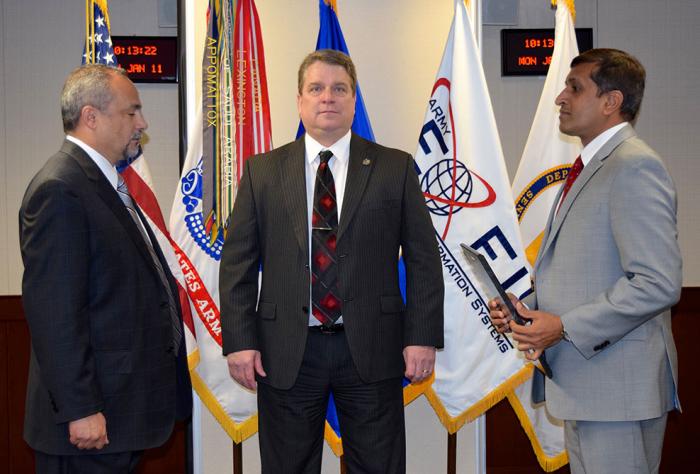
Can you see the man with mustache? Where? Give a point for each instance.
(325, 217)
(606, 276)
(108, 374)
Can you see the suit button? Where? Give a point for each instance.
(306, 266)
(602, 345)
(305, 309)
(170, 349)
(164, 305)
(343, 255)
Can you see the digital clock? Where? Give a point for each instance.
(147, 58)
(528, 52)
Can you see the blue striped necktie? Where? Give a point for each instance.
(124, 195)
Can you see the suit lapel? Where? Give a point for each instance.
(108, 194)
(293, 179)
(556, 219)
(360, 165)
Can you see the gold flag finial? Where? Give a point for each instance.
(570, 5)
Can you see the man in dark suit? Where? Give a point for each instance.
(107, 374)
(606, 276)
(325, 217)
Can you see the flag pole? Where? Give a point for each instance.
(451, 453)
(237, 458)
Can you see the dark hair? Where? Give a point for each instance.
(86, 85)
(617, 70)
(332, 57)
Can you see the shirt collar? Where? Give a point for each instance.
(340, 149)
(102, 163)
(597, 143)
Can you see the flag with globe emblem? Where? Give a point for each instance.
(135, 171)
(463, 177)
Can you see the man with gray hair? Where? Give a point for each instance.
(107, 374)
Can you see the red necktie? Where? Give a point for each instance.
(574, 171)
(324, 228)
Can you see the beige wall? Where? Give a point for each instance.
(397, 45)
(40, 42)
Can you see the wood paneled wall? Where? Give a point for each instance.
(508, 450)
(15, 456)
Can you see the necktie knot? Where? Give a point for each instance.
(123, 192)
(325, 156)
(121, 184)
(574, 171)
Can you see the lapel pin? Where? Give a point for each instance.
(366, 162)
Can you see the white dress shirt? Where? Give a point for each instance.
(102, 163)
(107, 168)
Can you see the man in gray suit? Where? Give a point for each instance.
(606, 276)
(107, 374)
(325, 218)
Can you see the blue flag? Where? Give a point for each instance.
(330, 36)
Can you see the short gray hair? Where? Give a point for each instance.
(86, 85)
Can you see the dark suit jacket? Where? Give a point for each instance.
(97, 313)
(383, 210)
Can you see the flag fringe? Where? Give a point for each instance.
(103, 6)
(193, 360)
(413, 391)
(547, 463)
(334, 442)
(499, 393)
(238, 432)
(570, 5)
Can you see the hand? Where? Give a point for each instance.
(243, 365)
(544, 331)
(500, 314)
(89, 432)
(420, 362)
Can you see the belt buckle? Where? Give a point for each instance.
(334, 329)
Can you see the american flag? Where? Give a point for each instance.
(98, 42)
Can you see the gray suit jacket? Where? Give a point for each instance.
(383, 210)
(610, 266)
(97, 313)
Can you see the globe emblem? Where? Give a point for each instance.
(438, 185)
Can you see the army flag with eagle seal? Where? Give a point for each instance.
(233, 124)
(463, 177)
(543, 168)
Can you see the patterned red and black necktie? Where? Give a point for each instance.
(324, 228)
